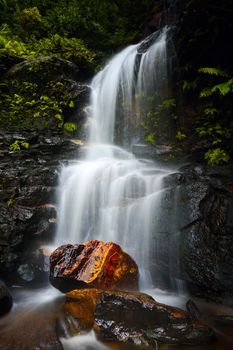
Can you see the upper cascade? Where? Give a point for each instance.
(123, 87)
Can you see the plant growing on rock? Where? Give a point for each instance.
(217, 124)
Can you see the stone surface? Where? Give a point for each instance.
(137, 318)
(95, 264)
(195, 232)
(6, 300)
(80, 304)
(28, 180)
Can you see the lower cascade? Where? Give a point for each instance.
(109, 194)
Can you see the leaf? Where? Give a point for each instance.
(213, 71)
(223, 88)
(71, 104)
(206, 92)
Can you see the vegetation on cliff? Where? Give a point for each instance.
(46, 47)
(39, 37)
(205, 79)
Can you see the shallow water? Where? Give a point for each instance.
(38, 318)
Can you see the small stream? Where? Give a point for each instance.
(39, 318)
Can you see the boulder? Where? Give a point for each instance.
(6, 300)
(93, 264)
(137, 318)
(80, 306)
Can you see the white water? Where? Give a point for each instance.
(83, 342)
(109, 194)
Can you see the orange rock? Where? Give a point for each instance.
(81, 305)
(94, 263)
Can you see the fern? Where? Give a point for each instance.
(213, 71)
(206, 92)
(223, 88)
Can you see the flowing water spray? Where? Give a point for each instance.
(109, 194)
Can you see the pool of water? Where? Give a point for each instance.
(39, 321)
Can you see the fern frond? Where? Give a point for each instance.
(206, 92)
(223, 88)
(213, 71)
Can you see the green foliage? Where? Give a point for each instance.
(72, 49)
(10, 202)
(155, 119)
(189, 85)
(217, 156)
(30, 16)
(151, 138)
(33, 106)
(17, 145)
(216, 125)
(213, 71)
(222, 89)
(83, 32)
(180, 135)
(70, 127)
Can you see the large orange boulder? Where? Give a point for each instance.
(93, 264)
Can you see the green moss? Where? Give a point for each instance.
(70, 127)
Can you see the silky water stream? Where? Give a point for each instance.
(110, 195)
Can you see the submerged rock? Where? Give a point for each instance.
(94, 264)
(137, 318)
(6, 300)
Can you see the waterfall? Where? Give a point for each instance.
(109, 194)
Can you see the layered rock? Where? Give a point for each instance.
(93, 264)
(28, 180)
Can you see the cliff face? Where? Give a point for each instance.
(196, 231)
(27, 200)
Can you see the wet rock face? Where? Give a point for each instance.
(94, 264)
(137, 318)
(208, 245)
(28, 180)
(6, 300)
(195, 231)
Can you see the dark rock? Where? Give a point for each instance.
(34, 268)
(193, 310)
(6, 300)
(93, 264)
(137, 318)
(28, 181)
(148, 41)
(194, 233)
(160, 153)
(224, 319)
(207, 244)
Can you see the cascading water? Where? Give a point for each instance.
(109, 194)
